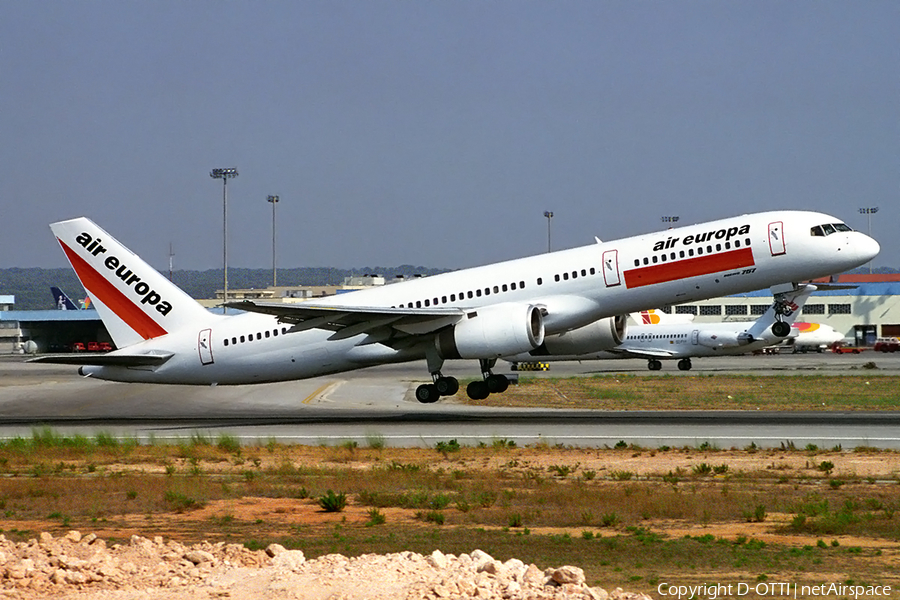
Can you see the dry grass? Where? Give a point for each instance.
(703, 392)
(544, 505)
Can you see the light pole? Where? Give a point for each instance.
(670, 219)
(274, 201)
(549, 215)
(224, 175)
(869, 212)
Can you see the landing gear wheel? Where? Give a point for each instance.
(685, 364)
(478, 390)
(497, 384)
(654, 365)
(427, 393)
(781, 329)
(447, 386)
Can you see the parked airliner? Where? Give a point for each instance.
(669, 339)
(571, 301)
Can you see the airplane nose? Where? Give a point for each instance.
(866, 247)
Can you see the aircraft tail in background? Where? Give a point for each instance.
(61, 300)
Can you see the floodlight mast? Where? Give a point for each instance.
(224, 175)
(549, 215)
(274, 201)
(869, 211)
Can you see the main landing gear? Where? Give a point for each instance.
(783, 307)
(655, 364)
(477, 390)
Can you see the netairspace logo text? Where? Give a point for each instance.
(773, 589)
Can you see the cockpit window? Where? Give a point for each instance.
(828, 229)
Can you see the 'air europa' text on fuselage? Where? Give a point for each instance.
(720, 234)
(141, 288)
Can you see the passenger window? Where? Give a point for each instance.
(478, 293)
(655, 259)
(267, 333)
(522, 284)
(663, 258)
(583, 273)
(728, 245)
(470, 294)
(556, 277)
(418, 304)
(718, 247)
(512, 286)
(452, 297)
(646, 260)
(637, 262)
(737, 243)
(275, 332)
(593, 271)
(226, 341)
(566, 276)
(709, 249)
(540, 281)
(496, 290)
(574, 274)
(672, 256)
(506, 287)
(233, 340)
(427, 302)
(681, 254)
(242, 339)
(284, 330)
(487, 291)
(699, 250)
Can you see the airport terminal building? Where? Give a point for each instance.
(868, 309)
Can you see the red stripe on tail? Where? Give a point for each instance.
(104, 291)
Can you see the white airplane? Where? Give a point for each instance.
(663, 337)
(813, 336)
(570, 301)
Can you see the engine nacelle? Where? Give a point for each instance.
(715, 339)
(601, 335)
(493, 331)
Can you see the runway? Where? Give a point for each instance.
(376, 407)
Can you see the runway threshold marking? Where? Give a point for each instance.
(322, 391)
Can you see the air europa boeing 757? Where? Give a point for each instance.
(567, 302)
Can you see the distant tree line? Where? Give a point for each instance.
(31, 287)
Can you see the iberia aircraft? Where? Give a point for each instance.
(571, 301)
(665, 338)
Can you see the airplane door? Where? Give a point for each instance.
(611, 268)
(776, 238)
(204, 344)
(695, 337)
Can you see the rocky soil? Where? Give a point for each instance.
(76, 566)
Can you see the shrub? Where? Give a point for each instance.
(376, 517)
(445, 447)
(331, 502)
(702, 469)
(515, 520)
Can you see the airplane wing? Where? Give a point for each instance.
(348, 321)
(104, 360)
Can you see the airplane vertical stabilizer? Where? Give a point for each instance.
(134, 300)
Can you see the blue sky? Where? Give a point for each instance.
(437, 133)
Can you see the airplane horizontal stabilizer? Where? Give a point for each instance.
(105, 360)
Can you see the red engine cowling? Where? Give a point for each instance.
(492, 332)
(601, 335)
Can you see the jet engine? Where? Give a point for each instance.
(493, 331)
(601, 335)
(715, 339)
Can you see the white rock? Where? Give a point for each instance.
(289, 559)
(568, 574)
(437, 560)
(199, 556)
(274, 550)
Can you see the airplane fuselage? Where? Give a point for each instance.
(572, 287)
